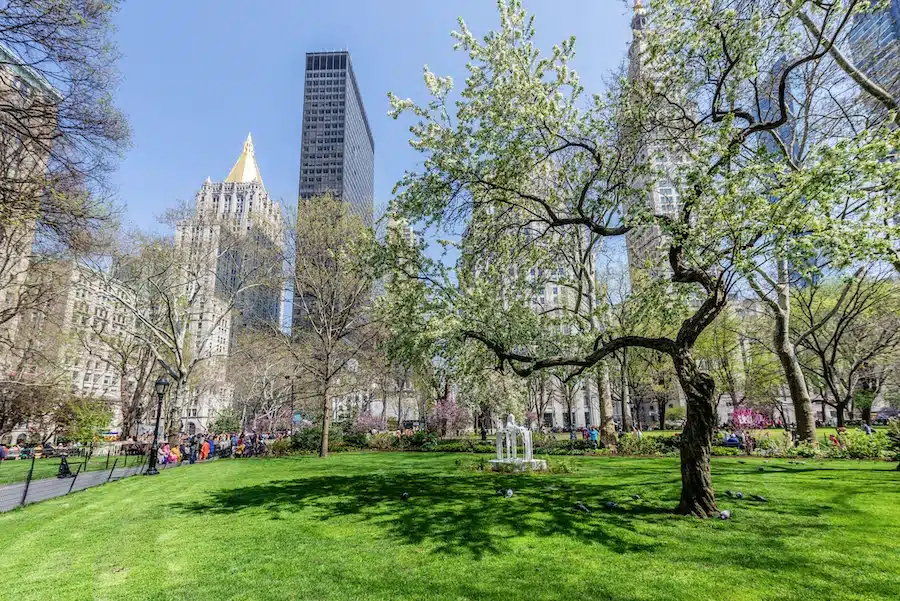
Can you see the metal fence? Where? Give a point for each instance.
(48, 478)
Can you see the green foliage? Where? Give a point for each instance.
(676, 414)
(309, 440)
(893, 435)
(639, 445)
(83, 420)
(227, 420)
(382, 441)
(721, 451)
(805, 449)
(282, 447)
(856, 444)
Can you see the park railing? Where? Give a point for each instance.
(26, 481)
(36, 479)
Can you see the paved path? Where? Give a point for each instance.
(48, 488)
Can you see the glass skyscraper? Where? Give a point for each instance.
(875, 44)
(338, 153)
(338, 150)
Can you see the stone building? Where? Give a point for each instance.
(234, 244)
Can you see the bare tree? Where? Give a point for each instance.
(853, 338)
(332, 274)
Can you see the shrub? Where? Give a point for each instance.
(281, 447)
(358, 440)
(893, 436)
(721, 451)
(856, 444)
(382, 441)
(638, 445)
(420, 440)
(804, 449)
(308, 440)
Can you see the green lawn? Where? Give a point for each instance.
(304, 528)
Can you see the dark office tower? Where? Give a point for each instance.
(338, 152)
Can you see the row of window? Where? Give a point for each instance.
(326, 61)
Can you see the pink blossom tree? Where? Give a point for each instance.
(446, 416)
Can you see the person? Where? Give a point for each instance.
(162, 455)
(595, 436)
(795, 438)
(194, 447)
(867, 429)
(204, 450)
(4, 452)
(212, 447)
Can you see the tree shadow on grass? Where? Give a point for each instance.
(460, 512)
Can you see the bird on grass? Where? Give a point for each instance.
(582, 508)
(725, 515)
(760, 498)
(611, 504)
(509, 493)
(405, 496)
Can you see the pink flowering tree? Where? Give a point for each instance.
(743, 419)
(366, 422)
(446, 416)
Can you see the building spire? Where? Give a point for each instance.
(245, 169)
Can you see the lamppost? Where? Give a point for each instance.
(291, 379)
(161, 386)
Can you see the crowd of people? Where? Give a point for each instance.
(203, 447)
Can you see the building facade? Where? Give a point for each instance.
(234, 241)
(338, 151)
(875, 45)
(75, 340)
(27, 123)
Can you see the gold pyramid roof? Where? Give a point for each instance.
(245, 169)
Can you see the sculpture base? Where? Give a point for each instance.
(518, 465)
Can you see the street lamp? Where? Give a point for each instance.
(161, 386)
(291, 379)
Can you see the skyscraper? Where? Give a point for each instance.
(232, 244)
(338, 151)
(875, 45)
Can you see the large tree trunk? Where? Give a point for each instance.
(787, 355)
(326, 423)
(806, 425)
(661, 404)
(841, 407)
(604, 400)
(626, 403)
(697, 497)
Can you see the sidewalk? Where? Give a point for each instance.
(50, 488)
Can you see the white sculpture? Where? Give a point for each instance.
(508, 447)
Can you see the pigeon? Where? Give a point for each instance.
(405, 496)
(741, 461)
(725, 515)
(730, 493)
(581, 507)
(760, 498)
(508, 493)
(499, 492)
(738, 495)
(636, 497)
(611, 504)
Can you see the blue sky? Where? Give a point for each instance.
(199, 75)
